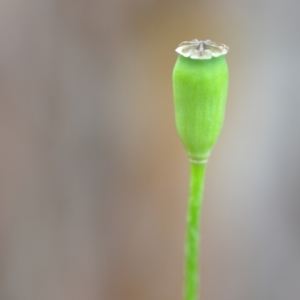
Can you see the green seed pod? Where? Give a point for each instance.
(200, 83)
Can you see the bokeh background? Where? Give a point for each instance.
(93, 178)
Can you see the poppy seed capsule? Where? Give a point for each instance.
(200, 84)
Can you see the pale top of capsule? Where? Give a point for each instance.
(201, 49)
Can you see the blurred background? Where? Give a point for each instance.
(93, 178)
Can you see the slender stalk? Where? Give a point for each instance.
(193, 228)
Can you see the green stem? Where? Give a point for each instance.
(193, 229)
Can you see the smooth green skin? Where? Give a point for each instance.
(200, 93)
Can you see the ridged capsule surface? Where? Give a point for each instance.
(200, 92)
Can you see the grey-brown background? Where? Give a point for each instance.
(93, 178)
